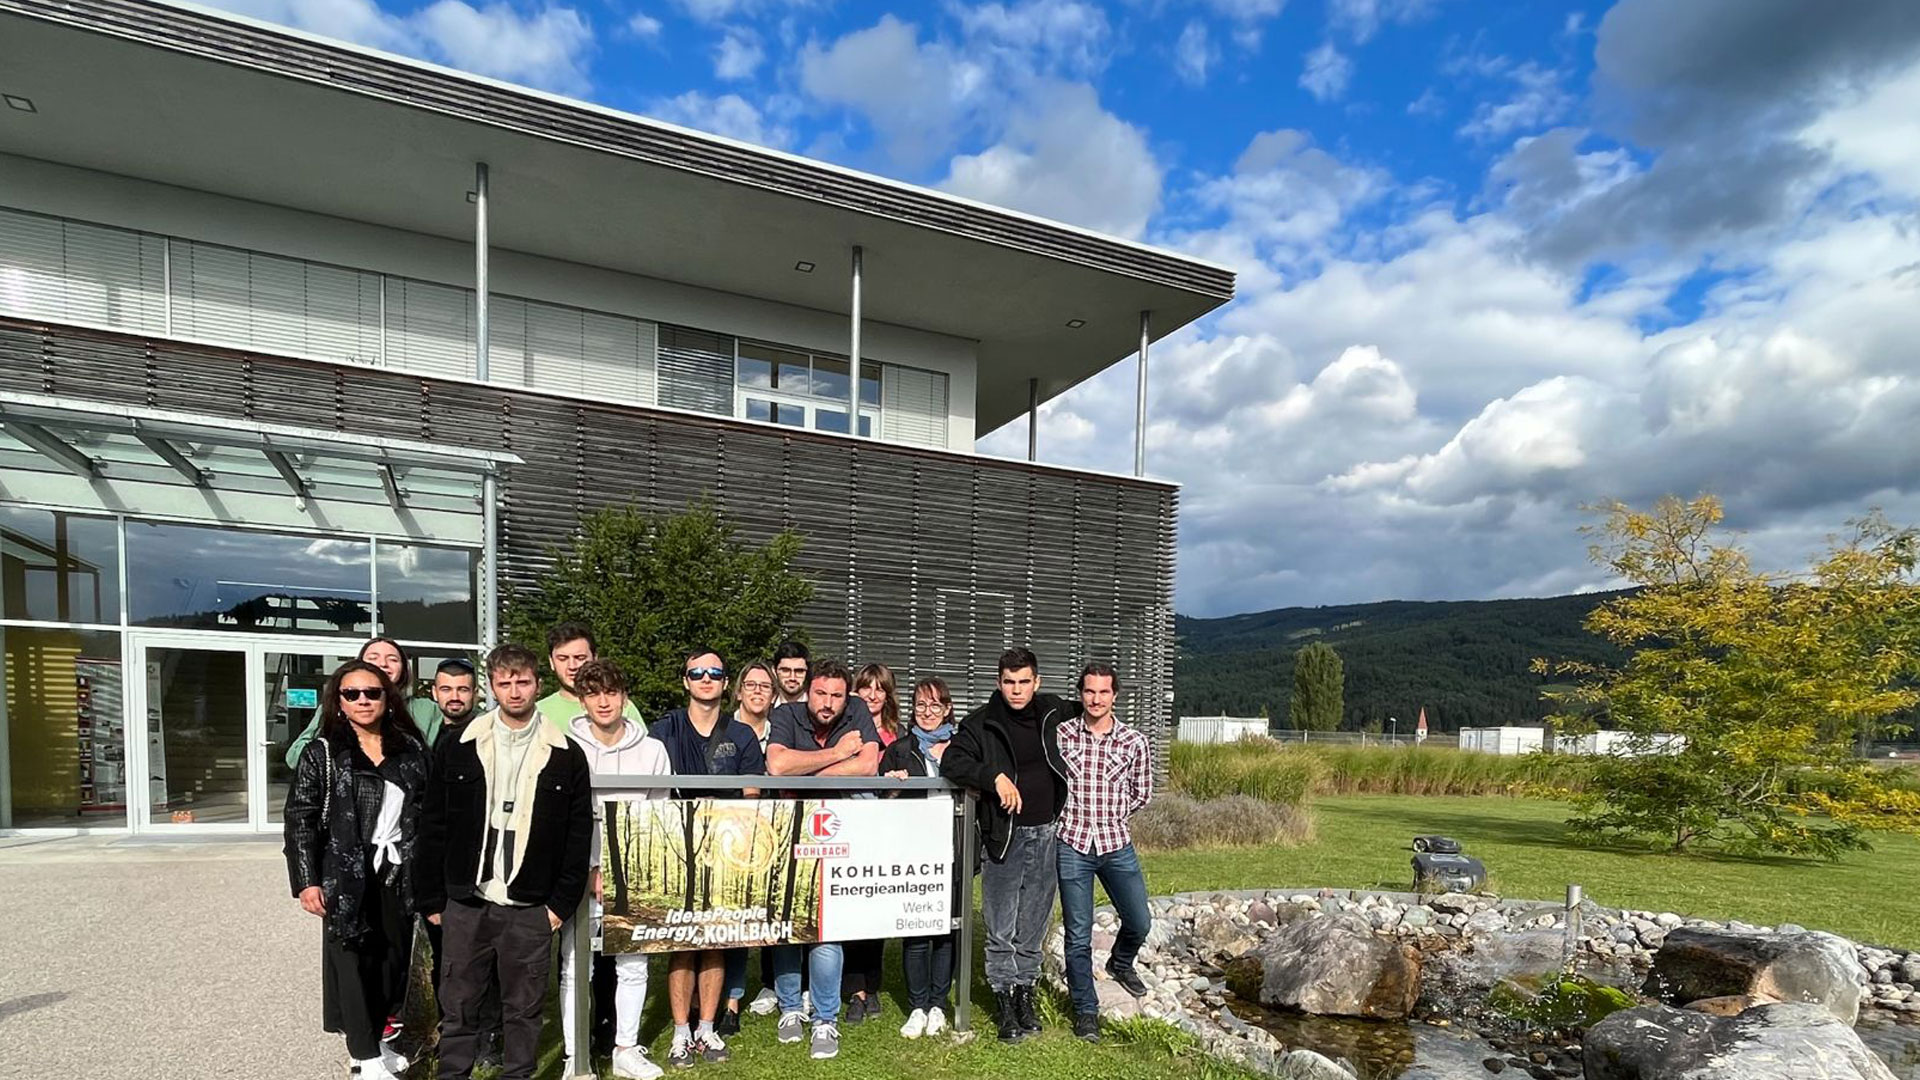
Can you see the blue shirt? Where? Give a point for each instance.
(791, 726)
(732, 750)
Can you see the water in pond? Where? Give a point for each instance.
(1897, 1041)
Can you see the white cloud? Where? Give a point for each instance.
(549, 48)
(1248, 10)
(737, 56)
(1363, 18)
(728, 114)
(1193, 54)
(1538, 101)
(1879, 133)
(1060, 38)
(1065, 157)
(917, 97)
(1326, 73)
(643, 25)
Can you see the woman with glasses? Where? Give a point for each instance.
(753, 694)
(350, 830)
(866, 960)
(387, 655)
(928, 961)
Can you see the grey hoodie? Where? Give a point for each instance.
(635, 753)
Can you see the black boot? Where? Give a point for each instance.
(1006, 1016)
(1023, 1002)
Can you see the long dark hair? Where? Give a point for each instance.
(338, 730)
(405, 686)
(881, 675)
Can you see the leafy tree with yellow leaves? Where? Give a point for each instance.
(1765, 679)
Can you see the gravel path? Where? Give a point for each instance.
(132, 959)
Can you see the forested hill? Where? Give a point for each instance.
(1465, 662)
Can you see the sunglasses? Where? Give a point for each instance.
(355, 693)
(717, 674)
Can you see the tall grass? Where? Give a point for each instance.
(1175, 822)
(1292, 774)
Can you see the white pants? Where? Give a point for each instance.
(629, 992)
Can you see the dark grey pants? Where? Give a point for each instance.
(487, 942)
(1016, 899)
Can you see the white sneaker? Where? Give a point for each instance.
(936, 1021)
(915, 1026)
(372, 1069)
(632, 1063)
(394, 1063)
(765, 1003)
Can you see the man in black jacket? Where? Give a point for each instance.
(505, 834)
(1008, 750)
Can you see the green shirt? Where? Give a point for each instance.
(560, 710)
(426, 717)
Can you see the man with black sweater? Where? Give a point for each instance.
(1008, 750)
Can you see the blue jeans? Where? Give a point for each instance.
(1119, 873)
(736, 975)
(823, 979)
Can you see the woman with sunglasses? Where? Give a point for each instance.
(927, 961)
(387, 655)
(350, 829)
(753, 707)
(866, 960)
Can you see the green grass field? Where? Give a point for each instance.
(1361, 842)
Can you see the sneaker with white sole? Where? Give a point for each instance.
(394, 1061)
(371, 1069)
(826, 1042)
(765, 1003)
(684, 1052)
(792, 1026)
(936, 1021)
(632, 1063)
(712, 1048)
(915, 1026)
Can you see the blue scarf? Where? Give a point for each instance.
(929, 739)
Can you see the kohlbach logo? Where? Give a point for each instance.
(824, 825)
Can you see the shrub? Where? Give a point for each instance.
(1293, 774)
(1253, 767)
(1174, 822)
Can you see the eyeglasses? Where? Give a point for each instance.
(930, 706)
(791, 669)
(766, 687)
(355, 693)
(717, 674)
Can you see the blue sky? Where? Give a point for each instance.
(1497, 261)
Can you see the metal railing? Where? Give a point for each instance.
(580, 1065)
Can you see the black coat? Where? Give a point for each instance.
(453, 823)
(905, 754)
(982, 749)
(327, 832)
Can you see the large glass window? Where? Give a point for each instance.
(796, 389)
(62, 717)
(209, 578)
(427, 593)
(57, 567)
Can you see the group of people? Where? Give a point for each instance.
(483, 823)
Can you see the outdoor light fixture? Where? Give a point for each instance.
(803, 266)
(1075, 324)
(16, 102)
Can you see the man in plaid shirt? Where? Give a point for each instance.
(1109, 779)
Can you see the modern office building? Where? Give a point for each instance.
(300, 342)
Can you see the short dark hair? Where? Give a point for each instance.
(791, 650)
(512, 657)
(698, 653)
(829, 669)
(1016, 658)
(599, 677)
(1098, 667)
(572, 631)
(454, 665)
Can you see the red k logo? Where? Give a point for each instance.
(824, 825)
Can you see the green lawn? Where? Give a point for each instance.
(1361, 842)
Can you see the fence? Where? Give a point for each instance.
(580, 1065)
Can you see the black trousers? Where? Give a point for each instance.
(928, 962)
(363, 983)
(489, 1004)
(865, 961)
(512, 947)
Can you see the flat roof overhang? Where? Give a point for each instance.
(204, 100)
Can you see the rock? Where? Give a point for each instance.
(1731, 1005)
(1667, 920)
(1217, 937)
(1307, 1065)
(1806, 967)
(1452, 904)
(1262, 912)
(1789, 1041)
(1334, 966)
(1910, 971)
(1115, 1003)
(1486, 922)
(1417, 917)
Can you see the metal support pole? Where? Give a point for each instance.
(489, 561)
(1140, 400)
(481, 338)
(1033, 419)
(963, 962)
(580, 1001)
(853, 349)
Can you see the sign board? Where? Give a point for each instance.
(302, 698)
(681, 874)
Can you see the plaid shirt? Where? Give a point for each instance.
(1109, 779)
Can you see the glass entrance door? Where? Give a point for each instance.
(292, 678)
(196, 730)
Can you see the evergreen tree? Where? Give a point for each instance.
(1319, 688)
